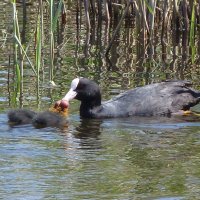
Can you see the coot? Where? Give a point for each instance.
(158, 99)
(49, 119)
(20, 116)
(38, 120)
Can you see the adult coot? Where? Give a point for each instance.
(165, 98)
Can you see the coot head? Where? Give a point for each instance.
(86, 91)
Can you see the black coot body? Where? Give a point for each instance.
(158, 99)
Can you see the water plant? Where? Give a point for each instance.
(142, 24)
(21, 53)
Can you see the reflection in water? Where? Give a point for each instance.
(88, 132)
(95, 159)
(88, 128)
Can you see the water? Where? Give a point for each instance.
(132, 158)
(101, 159)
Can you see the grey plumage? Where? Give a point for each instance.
(158, 99)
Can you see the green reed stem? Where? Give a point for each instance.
(192, 33)
(53, 24)
(25, 54)
(18, 44)
(16, 34)
(57, 15)
(51, 68)
(150, 8)
(38, 46)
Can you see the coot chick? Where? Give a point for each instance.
(20, 117)
(158, 99)
(49, 119)
(53, 118)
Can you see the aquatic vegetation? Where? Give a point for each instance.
(21, 53)
(156, 35)
(177, 18)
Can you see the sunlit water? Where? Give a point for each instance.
(136, 158)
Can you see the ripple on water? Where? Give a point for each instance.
(95, 159)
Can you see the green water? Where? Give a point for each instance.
(110, 159)
(133, 158)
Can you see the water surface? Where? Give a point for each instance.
(101, 159)
(132, 158)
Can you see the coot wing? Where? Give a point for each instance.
(156, 99)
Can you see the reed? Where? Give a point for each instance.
(18, 68)
(117, 28)
(192, 33)
(20, 53)
(51, 41)
(54, 17)
(19, 50)
(38, 46)
(18, 58)
(177, 21)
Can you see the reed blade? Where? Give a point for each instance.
(38, 46)
(192, 33)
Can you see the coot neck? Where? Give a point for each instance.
(89, 107)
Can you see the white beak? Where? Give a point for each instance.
(70, 95)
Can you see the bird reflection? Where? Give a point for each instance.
(89, 128)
